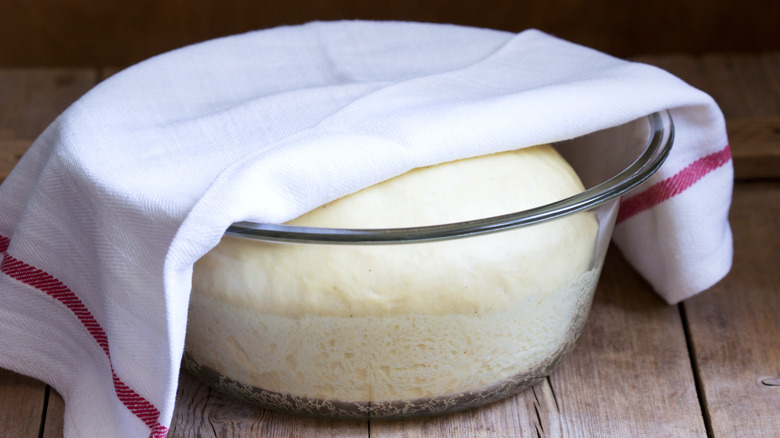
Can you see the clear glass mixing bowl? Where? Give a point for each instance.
(490, 306)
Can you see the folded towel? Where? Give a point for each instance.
(103, 218)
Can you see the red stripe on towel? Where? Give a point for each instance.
(53, 287)
(672, 186)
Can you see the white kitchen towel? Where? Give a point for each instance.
(102, 220)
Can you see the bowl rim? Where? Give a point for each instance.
(657, 149)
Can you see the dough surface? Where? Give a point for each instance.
(401, 322)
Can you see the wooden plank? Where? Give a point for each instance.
(630, 373)
(734, 327)
(55, 416)
(204, 413)
(520, 416)
(747, 89)
(105, 72)
(10, 153)
(31, 98)
(21, 404)
(94, 32)
(743, 85)
(755, 147)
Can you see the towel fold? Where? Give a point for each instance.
(103, 218)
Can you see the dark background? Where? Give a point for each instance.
(118, 33)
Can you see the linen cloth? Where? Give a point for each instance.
(102, 220)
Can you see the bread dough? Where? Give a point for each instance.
(405, 321)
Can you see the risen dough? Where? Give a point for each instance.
(400, 322)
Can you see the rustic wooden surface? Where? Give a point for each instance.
(22, 401)
(735, 329)
(706, 368)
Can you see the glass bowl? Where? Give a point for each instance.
(490, 306)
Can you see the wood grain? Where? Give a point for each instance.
(513, 417)
(31, 98)
(747, 89)
(11, 152)
(99, 33)
(735, 329)
(201, 412)
(21, 404)
(630, 373)
(755, 146)
(55, 413)
(743, 85)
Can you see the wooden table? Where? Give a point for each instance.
(709, 367)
